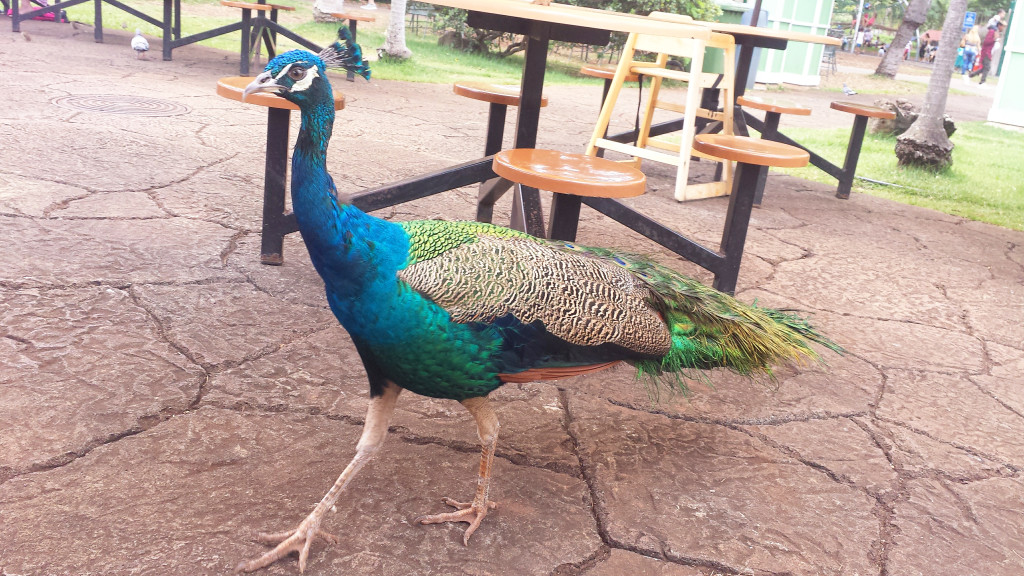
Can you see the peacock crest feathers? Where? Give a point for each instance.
(344, 53)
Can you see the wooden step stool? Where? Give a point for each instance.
(773, 111)
(861, 114)
(568, 176)
(500, 97)
(848, 171)
(753, 156)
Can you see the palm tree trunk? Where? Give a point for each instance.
(394, 37)
(913, 17)
(925, 143)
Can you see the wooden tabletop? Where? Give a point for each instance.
(620, 22)
(580, 16)
(232, 87)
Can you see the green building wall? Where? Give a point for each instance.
(800, 63)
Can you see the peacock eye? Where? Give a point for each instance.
(296, 73)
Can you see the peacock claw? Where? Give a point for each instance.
(298, 540)
(468, 512)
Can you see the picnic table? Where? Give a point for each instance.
(540, 25)
(263, 26)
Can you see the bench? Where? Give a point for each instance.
(845, 174)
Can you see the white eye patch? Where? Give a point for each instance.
(306, 81)
(302, 84)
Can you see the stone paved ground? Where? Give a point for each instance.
(163, 395)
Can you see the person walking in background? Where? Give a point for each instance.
(986, 50)
(995, 20)
(971, 44)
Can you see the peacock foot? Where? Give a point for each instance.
(470, 512)
(298, 540)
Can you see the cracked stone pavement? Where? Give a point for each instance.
(163, 395)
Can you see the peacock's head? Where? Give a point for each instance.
(297, 75)
(301, 76)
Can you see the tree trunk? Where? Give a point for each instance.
(925, 143)
(913, 17)
(394, 38)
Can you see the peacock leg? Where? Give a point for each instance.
(299, 540)
(475, 511)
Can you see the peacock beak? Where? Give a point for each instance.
(262, 83)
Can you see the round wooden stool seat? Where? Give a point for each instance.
(493, 93)
(864, 110)
(232, 87)
(606, 72)
(569, 173)
(772, 105)
(358, 17)
(749, 150)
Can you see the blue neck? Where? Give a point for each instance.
(351, 250)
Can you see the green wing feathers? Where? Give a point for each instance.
(486, 273)
(431, 238)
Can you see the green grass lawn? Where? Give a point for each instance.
(983, 184)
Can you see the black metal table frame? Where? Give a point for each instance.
(17, 17)
(769, 130)
(250, 26)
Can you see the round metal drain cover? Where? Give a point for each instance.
(120, 104)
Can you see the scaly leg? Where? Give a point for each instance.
(474, 512)
(299, 540)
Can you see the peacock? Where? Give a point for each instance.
(455, 310)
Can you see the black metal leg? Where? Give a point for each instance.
(270, 36)
(734, 236)
(97, 30)
(168, 29)
(770, 132)
(276, 171)
(495, 128)
(352, 25)
(530, 94)
(532, 88)
(743, 69)
(177, 19)
(860, 124)
(243, 68)
(490, 192)
(564, 219)
(604, 96)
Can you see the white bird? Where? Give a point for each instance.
(139, 43)
(847, 90)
